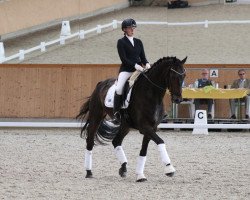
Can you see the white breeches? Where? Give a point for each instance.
(122, 78)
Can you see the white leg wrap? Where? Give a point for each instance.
(120, 155)
(88, 160)
(163, 153)
(140, 177)
(140, 165)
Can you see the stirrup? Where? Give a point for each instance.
(117, 119)
(115, 122)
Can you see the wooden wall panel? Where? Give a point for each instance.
(58, 91)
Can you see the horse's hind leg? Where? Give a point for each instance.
(117, 143)
(90, 141)
(142, 160)
(88, 152)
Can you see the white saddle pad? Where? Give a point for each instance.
(109, 99)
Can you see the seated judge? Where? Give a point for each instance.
(241, 82)
(200, 83)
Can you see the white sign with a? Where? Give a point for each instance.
(214, 73)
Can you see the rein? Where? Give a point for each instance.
(159, 87)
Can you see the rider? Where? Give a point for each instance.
(132, 55)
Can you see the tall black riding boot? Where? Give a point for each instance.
(117, 107)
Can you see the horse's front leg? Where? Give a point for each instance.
(142, 160)
(169, 169)
(119, 152)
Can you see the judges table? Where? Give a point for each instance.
(210, 92)
(213, 93)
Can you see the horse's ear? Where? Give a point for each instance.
(184, 60)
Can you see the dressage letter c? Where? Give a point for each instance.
(200, 115)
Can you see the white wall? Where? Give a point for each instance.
(18, 17)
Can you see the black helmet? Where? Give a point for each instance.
(128, 23)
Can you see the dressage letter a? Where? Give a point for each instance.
(214, 73)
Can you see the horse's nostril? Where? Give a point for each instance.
(178, 100)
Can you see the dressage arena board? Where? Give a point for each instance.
(48, 164)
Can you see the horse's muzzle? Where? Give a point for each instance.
(177, 100)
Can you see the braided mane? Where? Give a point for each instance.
(164, 59)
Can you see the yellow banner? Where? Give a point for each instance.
(210, 92)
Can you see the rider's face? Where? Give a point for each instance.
(129, 31)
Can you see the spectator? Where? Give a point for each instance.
(242, 82)
(177, 4)
(200, 83)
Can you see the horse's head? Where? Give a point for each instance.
(176, 76)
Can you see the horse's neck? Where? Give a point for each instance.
(153, 83)
(159, 76)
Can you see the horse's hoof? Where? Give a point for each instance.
(170, 174)
(122, 172)
(169, 170)
(89, 174)
(141, 180)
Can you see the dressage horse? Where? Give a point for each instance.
(144, 113)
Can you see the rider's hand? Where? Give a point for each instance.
(139, 68)
(148, 66)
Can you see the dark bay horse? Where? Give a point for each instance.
(144, 113)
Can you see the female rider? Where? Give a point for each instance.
(132, 55)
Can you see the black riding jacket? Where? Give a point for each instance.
(130, 55)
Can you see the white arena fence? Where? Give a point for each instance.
(161, 126)
(81, 34)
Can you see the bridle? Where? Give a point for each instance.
(184, 72)
(159, 87)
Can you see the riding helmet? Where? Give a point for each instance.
(128, 23)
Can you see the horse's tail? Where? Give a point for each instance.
(82, 115)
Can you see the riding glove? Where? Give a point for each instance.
(148, 66)
(139, 68)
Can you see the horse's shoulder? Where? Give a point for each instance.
(109, 80)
